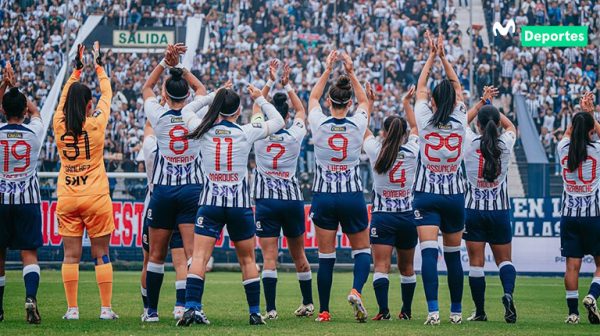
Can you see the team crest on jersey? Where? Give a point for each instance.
(96, 113)
(257, 125)
(14, 135)
(400, 156)
(338, 128)
(222, 132)
(176, 120)
(374, 232)
(299, 124)
(276, 137)
(418, 215)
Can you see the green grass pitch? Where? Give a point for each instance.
(540, 303)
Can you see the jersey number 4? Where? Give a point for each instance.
(393, 174)
(14, 151)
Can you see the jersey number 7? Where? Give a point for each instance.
(281, 151)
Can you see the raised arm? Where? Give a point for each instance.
(450, 73)
(359, 91)
(489, 92)
(317, 91)
(7, 81)
(506, 124)
(422, 92)
(273, 65)
(371, 97)
(410, 113)
(587, 105)
(75, 75)
(275, 122)
(105, 88)
(296, 102)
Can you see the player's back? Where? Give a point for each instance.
(19, 150)
(276, 163)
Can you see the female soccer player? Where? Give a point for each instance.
(393, 161)
(83, 196)
(177, 176)
(225, 146)
(337, 188)
(279, 203)
(487, 157)
(580, 222)
(439, 201)
(149, 150)
(21, 227)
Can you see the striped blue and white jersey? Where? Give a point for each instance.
(392, 190)
(178, 158)
(441, 151)
(338, 145)
(482, 194)
(20, 146)
(581, 195)
(276, 163)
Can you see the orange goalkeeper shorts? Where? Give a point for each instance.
(93, 213)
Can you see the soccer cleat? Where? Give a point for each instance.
(71, 314)
(271, 315)
(106, 313)
(191, 316)
(33, 315)
(589, 302)
(477, 318)
(510, 312)
(178, 312)
(256, 319)
(305, 310)
(150, 318)
(323, 317)
(432, 319)
(355, 300)
(455, 318)
(382, 317)
(405, 316)
(572, 319)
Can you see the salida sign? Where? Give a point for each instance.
(143, 38)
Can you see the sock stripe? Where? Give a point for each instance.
(144, 291)
(432, 244)
(327, 255)
(476, 272)
(365, 250)
(269, 274)
(2, 281)
(33, 268)
(303, 276)
(596, 280)
(249, 281)
(407, 279)
(180, 284)
(194, 276)
(572, 294)
(156, 268)
(451, 249)
(380, 275)
(505, 263)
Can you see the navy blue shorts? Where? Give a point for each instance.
(579, 236)
(488, 226)
(176, 240)
(173, 205)
(329, 210)
(211, 220)
(273, 216)
(395, 229)
(20, 226)
(445, 211)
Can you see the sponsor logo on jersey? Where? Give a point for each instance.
(14, 135)
(222, 132)
(276, 137)
(257, 125)
(96, 113)
(444, 126)
(258, 226)
(200, 221)
(176, 119)
(400, 156)
(374, 232)
(338, 128)
(149, 214)
(418, 215)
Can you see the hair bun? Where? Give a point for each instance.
(176, 73)
(343, 82)
(13, 92)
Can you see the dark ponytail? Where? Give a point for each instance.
(341, 92)
(226, 103)
(280, 103)
(395, 127)
(75, 109)
(177, 87)
(489, 121)
(14, 104)
(582, 123)
(444, 96)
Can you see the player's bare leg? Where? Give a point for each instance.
(244, 250)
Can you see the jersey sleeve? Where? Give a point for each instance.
(423, 113)
(153, 110)
(509, 139)
(194, 112)
(360, 118)
(372, 148)
(469, 135)
(103, 107)
(255, 131)
(37, 126)
(316, 117)
(563, 147)
(298, 129)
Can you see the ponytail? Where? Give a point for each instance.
(489, 120)
(444, 97)
(226, 103)
(582, 123)
(395, 127)
(75, 109)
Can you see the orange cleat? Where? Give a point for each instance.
(323, 317)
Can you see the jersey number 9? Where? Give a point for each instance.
(343, 148)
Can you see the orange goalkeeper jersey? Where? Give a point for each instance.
(82, 169)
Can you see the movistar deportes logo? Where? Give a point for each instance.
(554, 36)
(504, 30)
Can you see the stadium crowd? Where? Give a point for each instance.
(385, 38)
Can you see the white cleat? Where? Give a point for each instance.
(71, 314)
(150, 318)
(178, 312)
(144, 315)
(355, 300)
(305, 310)
(106, 313)
(432, 319)
(572, 319)
(589, 302)
(455, 318)
(271, 315)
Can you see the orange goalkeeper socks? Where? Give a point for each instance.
(70, 276)
(104, 278)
